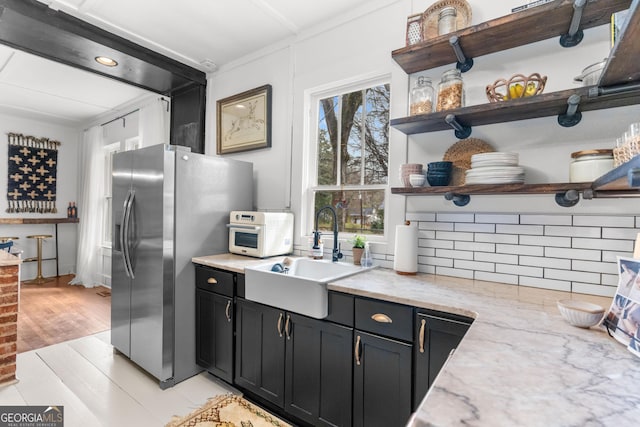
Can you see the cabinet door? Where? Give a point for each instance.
(318, 371)
(214, 332)
(381, 381)
(435, 338)
(260, 350)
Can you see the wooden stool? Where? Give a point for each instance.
(39, 278)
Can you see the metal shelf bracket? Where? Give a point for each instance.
(568, 199)
(458, 199)
(461, 131)
(575, 34)
(464, 64)
(572, 117)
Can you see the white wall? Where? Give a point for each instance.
(67, 191)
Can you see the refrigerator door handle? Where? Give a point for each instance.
(126, 221)
(122, 233)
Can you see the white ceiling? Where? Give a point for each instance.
(204, 34)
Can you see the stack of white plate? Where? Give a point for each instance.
(495, 168)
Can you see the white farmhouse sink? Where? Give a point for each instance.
(301, 289)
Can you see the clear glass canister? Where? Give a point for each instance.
(447, 20)
(421, 98)
(450, 91)
(589, 165)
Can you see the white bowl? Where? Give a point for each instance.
(416, 180)
(580, 313)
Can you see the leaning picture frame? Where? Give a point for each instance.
(244, 121)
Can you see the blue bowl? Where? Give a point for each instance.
(440, 166)
(438, 179)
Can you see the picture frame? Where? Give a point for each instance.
(244, 121)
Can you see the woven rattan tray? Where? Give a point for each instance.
(460, 154)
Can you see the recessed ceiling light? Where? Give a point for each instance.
(104, 60)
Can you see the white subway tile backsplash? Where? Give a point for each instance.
(520, 270)
(431, 243)
(546, 262)
(496, 238)
(442, 262)
(585, 254)
(426, 234)
(420, 216)
(477, 228)
(545, 219)
(587, 288)
(454, 217)
(455, 272)
(497, 219)
(536, 230)
(560, 242)
(476, 247)
(496, 277)
(608, 244)
(493, 257)
(454, 235)
(572, 276)
(444, 226)
(603, 221)
(610, 279)
(474, 265)
(620, 233)
(520, 250)
(445, 253)
(553, 251)
(536, 282)
(596, 267)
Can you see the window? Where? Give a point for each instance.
(109, 151)
(352, 152)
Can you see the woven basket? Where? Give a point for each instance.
(460, 154)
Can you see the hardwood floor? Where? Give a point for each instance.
(55, 312)
(98, 387)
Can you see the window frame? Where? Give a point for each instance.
(310, 169)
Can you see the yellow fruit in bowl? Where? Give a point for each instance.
(531, 89)
(515, 91)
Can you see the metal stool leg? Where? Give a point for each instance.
(40, 279)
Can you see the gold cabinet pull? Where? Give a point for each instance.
(357, 350)
(280, 324)
(422, 324)
(212, 280)
(227, 311)
(381, 318)
(287, 327)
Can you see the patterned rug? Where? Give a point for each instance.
(228, 411)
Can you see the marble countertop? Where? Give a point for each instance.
(8, 259)
(519, 364)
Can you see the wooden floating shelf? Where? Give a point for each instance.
(493, 189)
(517, 29)
(543, 105)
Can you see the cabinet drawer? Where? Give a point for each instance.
(384, 318)
(220, 282)
(340, 309)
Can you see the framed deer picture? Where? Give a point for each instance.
(244, 121)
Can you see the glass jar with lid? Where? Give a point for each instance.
(450, 91)
(421, 97)
(447, 20)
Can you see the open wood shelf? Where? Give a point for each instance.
(493, 189)
(517, 29)
(543, 105)
(619, 179)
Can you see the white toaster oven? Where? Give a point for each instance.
(260, 234)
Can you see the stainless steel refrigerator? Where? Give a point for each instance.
(169, 205)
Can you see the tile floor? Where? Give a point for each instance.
(100, 388)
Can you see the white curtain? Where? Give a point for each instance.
(154, 123)
(90, 209)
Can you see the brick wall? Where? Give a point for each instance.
(8, 322)
(575, 253)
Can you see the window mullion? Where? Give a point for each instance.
(363, 137)
(339, 144)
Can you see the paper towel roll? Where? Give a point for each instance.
(406, 252)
